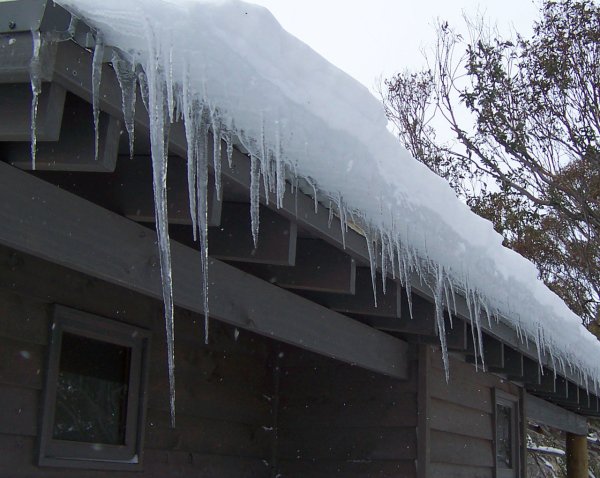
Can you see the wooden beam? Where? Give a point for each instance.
(39, 219)
(132, 191)
(232, 240)
(577, 456)
(75, 150)
(546, 413)
(319, 267)
(15, 108)
(362, 303)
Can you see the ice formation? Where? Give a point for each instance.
(228, 67)
(36, 89)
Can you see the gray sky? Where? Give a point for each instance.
(374, 37)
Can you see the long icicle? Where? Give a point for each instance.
(158, 117)
(202, 205)
(35, 73)
(439, 319)
(96, 79)
(191, 134)
(254, 198)
(127, 78)
(372, 250)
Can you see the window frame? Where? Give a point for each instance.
(513, 402)
(71, 454)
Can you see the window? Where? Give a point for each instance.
(93, 405)
(507, 436)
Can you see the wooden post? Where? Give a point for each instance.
(577, 456)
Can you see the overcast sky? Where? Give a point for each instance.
(374, 37)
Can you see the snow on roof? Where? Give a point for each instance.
(229, 65)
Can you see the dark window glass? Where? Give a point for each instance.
(504, 436)
(91, 396)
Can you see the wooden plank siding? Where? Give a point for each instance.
(338, 420)
(224, 413)
(460, 418)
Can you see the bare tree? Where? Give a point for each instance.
(527, 156)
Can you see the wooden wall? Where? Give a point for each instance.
(246, 406)
(339, 420)
(459, 425)
(224, 403)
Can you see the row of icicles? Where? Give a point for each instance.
(166, 103)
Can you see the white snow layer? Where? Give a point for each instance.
(228, 66)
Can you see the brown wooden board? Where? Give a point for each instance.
(319, 267)
(346, 444)
(21, 363)
(208, 436)
(362, 302)
(546, 413)
(452, 418)
(131, 190)
(23, 318)
(232, 240)
(447, 470)
(348, 469)
(17, 452)
(18, 410)
(461, 450)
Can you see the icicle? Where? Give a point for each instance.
(453, 296)
(372, 257)
(170, 98)
(254, 198)
(216, 130)
(144, 92)
(487, 313)
(400, 262)
(473, 335)
(477, 315)
(190, 116)
(229, 142)
(330, 217)
(439, 319)
(313, 185)
(342, 214)
(448, 304)
(392, 257)
(158, 138)
(404, 267)
(96, 79)
(202, 204)
(384, 264)
(35, 73)
(264, 160)
(127, 79)
(279, 169)
(538, 343)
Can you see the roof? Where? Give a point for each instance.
(229, 67)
